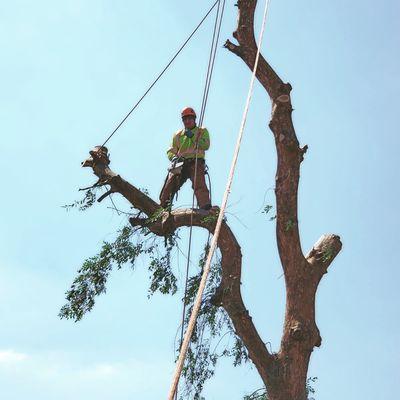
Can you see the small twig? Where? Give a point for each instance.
(235, 203)
(115, 207)
(99, 183)
(220, 340)
(239, 220)
(184, 255)
(265, 195)
(120, 211)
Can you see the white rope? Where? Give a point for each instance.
(214, 241)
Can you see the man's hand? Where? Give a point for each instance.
(188, 133)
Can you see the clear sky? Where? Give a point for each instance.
(70, 70)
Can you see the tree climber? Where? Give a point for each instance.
(186, 144)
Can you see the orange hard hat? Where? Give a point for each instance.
(187, 112)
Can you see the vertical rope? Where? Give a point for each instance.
(197, 303)
(210, 69)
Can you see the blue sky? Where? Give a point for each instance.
(70, 70)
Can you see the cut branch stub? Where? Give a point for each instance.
(324, 251)
(99, 161)
(98, 155)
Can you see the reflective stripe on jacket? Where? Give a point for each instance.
(183, 146)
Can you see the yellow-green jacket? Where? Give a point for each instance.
(183, 146)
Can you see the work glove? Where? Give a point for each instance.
(189, 133)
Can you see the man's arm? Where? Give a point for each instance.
(204, 140)
(173, 150)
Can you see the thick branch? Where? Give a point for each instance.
(228, 294)
(99, 163)
(247, 49)
(290, 154)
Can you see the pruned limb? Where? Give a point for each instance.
(95, 185)
(103, 196)
(118, 185)
(324, 251)
(235, 49)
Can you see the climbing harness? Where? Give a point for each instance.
(176, 167)
(197, 302)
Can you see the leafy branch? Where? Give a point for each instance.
(92, 276)
(86, 202)
(213, 325)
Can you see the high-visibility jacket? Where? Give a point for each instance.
(183, 146)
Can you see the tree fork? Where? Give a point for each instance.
(284, 373)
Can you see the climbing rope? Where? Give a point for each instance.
(210, 69)
(197, 302)
(161, 73)
(211, 62)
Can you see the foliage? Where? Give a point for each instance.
(309, 387)
(266, 210)
(86, 202)
(212, 327)
(162, 278)
(92, 276)
(261, 394)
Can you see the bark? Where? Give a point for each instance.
(284, 373)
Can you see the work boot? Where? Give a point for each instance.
(207, 209)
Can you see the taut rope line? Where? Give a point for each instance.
(161, 73)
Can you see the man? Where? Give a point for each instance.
(187, 143)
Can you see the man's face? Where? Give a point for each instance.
(189, 122)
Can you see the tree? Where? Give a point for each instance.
(284, 373)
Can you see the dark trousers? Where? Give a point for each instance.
(174, 183)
